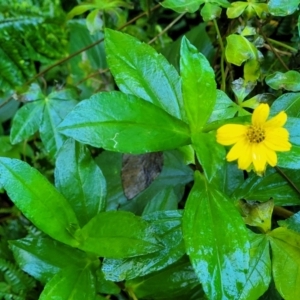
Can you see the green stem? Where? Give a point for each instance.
(282, 45)
(223, 82)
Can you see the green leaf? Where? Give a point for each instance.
(224, 108)
(239, 50)
(38, 200)
(42, 257)
(289, 102)
(264, 188)
(216, 241)
(165, 199)
(105, 286)
(26, 121)
(282, 8)
(292, 223)
(80, 9)
(111, 163)
(236, 9)
(139, 70)
(94, 22)
(175, 174)
(290, 159)
(286, 262)
(204, 45)
(183, 5)
(177, 280)
(288, 81)
(118, 234)
(198, 85)
(167, 226)
(211, 157)
(57, 106)
(124, 123)
(259, 273)
(70, 283)
(80, 180)
(210, 11)
(242, 89)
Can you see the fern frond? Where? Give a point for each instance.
(18, 281)
(30, 32)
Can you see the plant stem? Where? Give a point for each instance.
(282, 45)
(223, 82)
(167, 28)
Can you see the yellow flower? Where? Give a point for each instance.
(255, 145)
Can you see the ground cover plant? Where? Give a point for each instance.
(149, 150)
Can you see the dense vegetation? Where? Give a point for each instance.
(149, 150)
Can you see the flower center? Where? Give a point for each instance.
(255, 134)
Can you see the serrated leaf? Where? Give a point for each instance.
(259, 272)
(167, 225)
(139, 70)
(38, 200)
(183, 5)
(286, 262)
(124, 123)
(80, 180)
(198, 85)
(43, 257)
(216, 241)
(118, 234)
(210, 155)
(288, 81)
(70, 283)
(282, 8)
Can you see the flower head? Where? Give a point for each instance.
(255, 145)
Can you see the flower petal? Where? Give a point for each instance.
(278, 121)
(245, 159)
(259, 158)
(277, 139)
(230, 134)
(237, 150)
(271, 157)
(260, 114)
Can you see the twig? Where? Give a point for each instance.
(167, 28)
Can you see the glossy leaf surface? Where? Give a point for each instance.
(198, 85)
(43, 257)
(26, 121)
(267, 187)
(182, 6)
(124, 123)
(38, 200)
(216, 241)
(288, 81)
(286, 262)
(70, 283)
(167, 226)
(118, 234)
(282, 8)
(139, 70)
(178, 281)
(259, 273)
(211, 157)
(80, 180)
